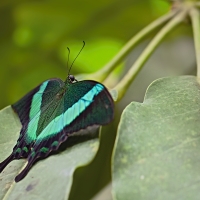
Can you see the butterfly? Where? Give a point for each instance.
(53, 111)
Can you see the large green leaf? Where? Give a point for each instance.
(157, 152)
(48, 179)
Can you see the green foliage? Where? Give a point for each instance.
(157, 148)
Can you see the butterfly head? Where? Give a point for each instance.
(71, 78)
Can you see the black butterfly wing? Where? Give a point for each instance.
(28, 109)
(84, 104)
(22, 108)
(93, 106)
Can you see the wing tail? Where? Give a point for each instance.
(6, 162)
(24, 172)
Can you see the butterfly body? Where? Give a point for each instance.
(54, 110)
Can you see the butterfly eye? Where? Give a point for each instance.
(71, 78)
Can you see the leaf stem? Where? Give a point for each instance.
(108, 68)
(123, 85)
(195, 17)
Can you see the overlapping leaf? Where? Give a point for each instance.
(157, 153)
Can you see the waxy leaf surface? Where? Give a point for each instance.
(157, 152)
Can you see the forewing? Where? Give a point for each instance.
(29, 110)
(94, 106)
(33, 107)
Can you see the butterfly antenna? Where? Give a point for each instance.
(68, 58)
(76, 57)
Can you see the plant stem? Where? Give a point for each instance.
(108, 68)
(123, 85)
(195, 17)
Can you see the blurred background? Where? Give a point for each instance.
(35, 34)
